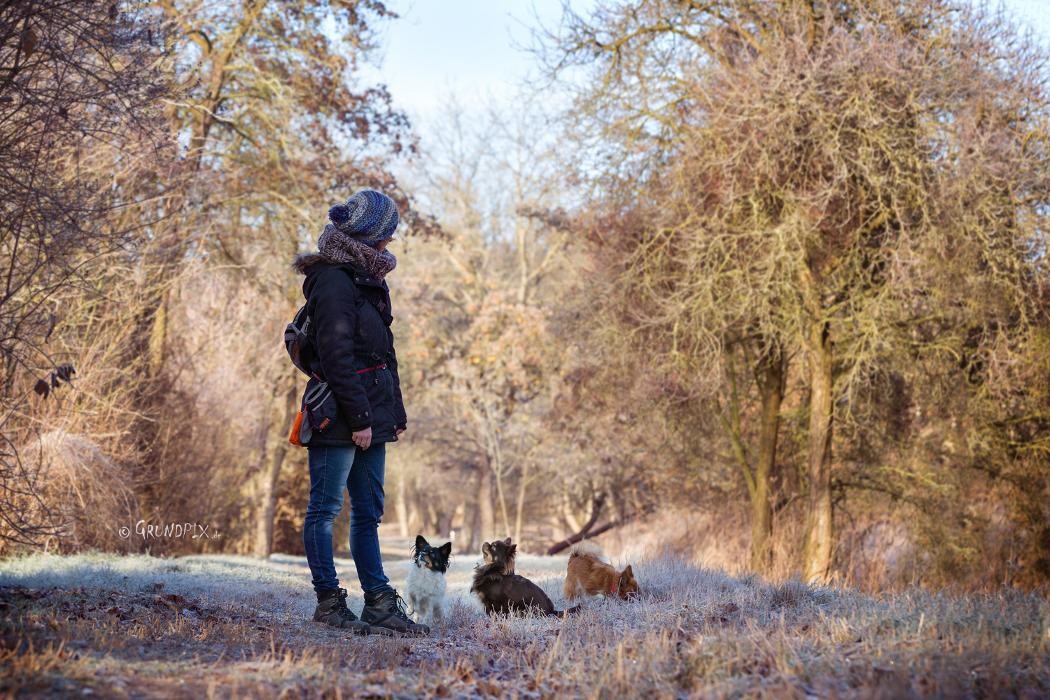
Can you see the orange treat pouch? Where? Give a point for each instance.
(316, 414)
(297, 424)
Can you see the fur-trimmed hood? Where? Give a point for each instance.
(305, 260)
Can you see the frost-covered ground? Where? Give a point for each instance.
(201, 626)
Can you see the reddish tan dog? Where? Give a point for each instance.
(589, 574)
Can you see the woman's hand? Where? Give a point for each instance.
(362, 438)
(398, 430)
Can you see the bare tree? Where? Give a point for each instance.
(794, 176)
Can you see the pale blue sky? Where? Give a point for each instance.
(1034, 12)
(473, 48)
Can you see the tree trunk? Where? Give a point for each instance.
(757, 470)
(401, 504)
(817, 553)
(486, 513)
(497, 470)
(472, 521)
(268, 493)
(459, 515)
(523, 482)
(596, 512)
(444, 524)
(567, 515)
(771, 372)
(431, 513)
(158, 335)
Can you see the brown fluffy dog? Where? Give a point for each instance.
(589, 574)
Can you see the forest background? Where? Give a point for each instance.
(762, 283)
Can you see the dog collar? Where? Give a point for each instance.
(615, 587)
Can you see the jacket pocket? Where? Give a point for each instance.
(391, 398)
(320, 407)
(388, 382)
(398, 402)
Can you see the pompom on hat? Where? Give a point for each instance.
(369, 216)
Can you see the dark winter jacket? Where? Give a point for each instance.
(350, 321)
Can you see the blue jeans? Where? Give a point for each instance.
(333, 469)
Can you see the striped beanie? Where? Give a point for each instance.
(369, 216)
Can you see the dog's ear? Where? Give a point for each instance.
(513, 549)
(627, 574)
(507, 541)
(446, 549)
(421, 542)
(486, 548)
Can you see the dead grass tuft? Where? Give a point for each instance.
(84, 495)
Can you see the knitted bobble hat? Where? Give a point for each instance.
(369, 216)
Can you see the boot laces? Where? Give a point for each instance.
(391, 602)
(344, 611)
(399, 608)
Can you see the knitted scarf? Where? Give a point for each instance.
(341, 248)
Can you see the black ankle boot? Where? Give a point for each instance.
(332, 610)
(386, 610)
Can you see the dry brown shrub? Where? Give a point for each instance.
(86, 493)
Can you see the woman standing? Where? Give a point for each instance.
(348, 301)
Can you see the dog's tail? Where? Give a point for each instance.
(564, 613)
(585, 548)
